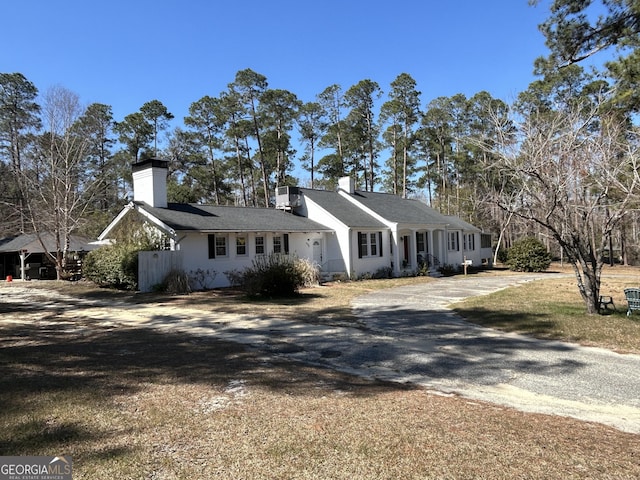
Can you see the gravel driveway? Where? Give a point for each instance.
(430, 345)
(408, 334)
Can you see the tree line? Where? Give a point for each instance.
(240, 146)
(559, 162)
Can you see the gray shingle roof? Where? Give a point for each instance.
(457, 222)
(400, 210)
(30, 242)
(341, 208)
(215, 218)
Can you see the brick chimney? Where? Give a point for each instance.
(150, 182)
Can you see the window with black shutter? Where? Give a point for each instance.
(212, 246)
(370, 244)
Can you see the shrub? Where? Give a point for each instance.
(502, 255)
(383, 272)
(277, 275)
(201, 279)
(176, 283)
(235, 277)
(422, 270)
(448, 269)
(309, 272)
(528, 255)
(113, 266)
(340, 277)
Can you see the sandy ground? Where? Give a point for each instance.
(406, 334)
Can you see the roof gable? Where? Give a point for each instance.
(342, 209)
(397, 209)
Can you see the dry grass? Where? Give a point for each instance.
(327, 303)
(129, 403)
(138, 404)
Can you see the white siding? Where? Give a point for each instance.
(208, 272)
(338, 253)
(342, 247)
(371, 263)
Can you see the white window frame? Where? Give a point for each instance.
(373, 244)
(369, 244)
(241, 244)
(259, 247)
(469, 242)
(277, 244)
(363, 244)
(453, 241)
(222, 245)
(421, 237)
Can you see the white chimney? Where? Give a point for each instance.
(150, 182)
(347, 184)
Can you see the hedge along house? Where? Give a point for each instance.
(205, 241)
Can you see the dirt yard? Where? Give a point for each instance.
(86, 374)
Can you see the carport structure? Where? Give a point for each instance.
(24, 256)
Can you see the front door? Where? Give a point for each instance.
(317, 251)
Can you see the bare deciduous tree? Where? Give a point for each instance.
(55, 179)
(574, 172)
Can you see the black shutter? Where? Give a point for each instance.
(286, 243)
(212, 246)
(380, 242)
(360, 244)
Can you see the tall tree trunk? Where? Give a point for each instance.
(405, 154)
(240, 171)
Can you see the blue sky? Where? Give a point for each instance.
(125, 53)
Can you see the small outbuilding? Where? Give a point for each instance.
(24, 256)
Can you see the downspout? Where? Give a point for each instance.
(350, 250)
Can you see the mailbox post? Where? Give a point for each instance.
(466, 263)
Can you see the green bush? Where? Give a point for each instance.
(448, 269)
(383, 272)
(113, 266)
(277, 275)
(528, 255)
(502, 255)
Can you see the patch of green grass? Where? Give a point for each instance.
(554, 309)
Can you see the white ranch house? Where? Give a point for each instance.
(345, 232)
